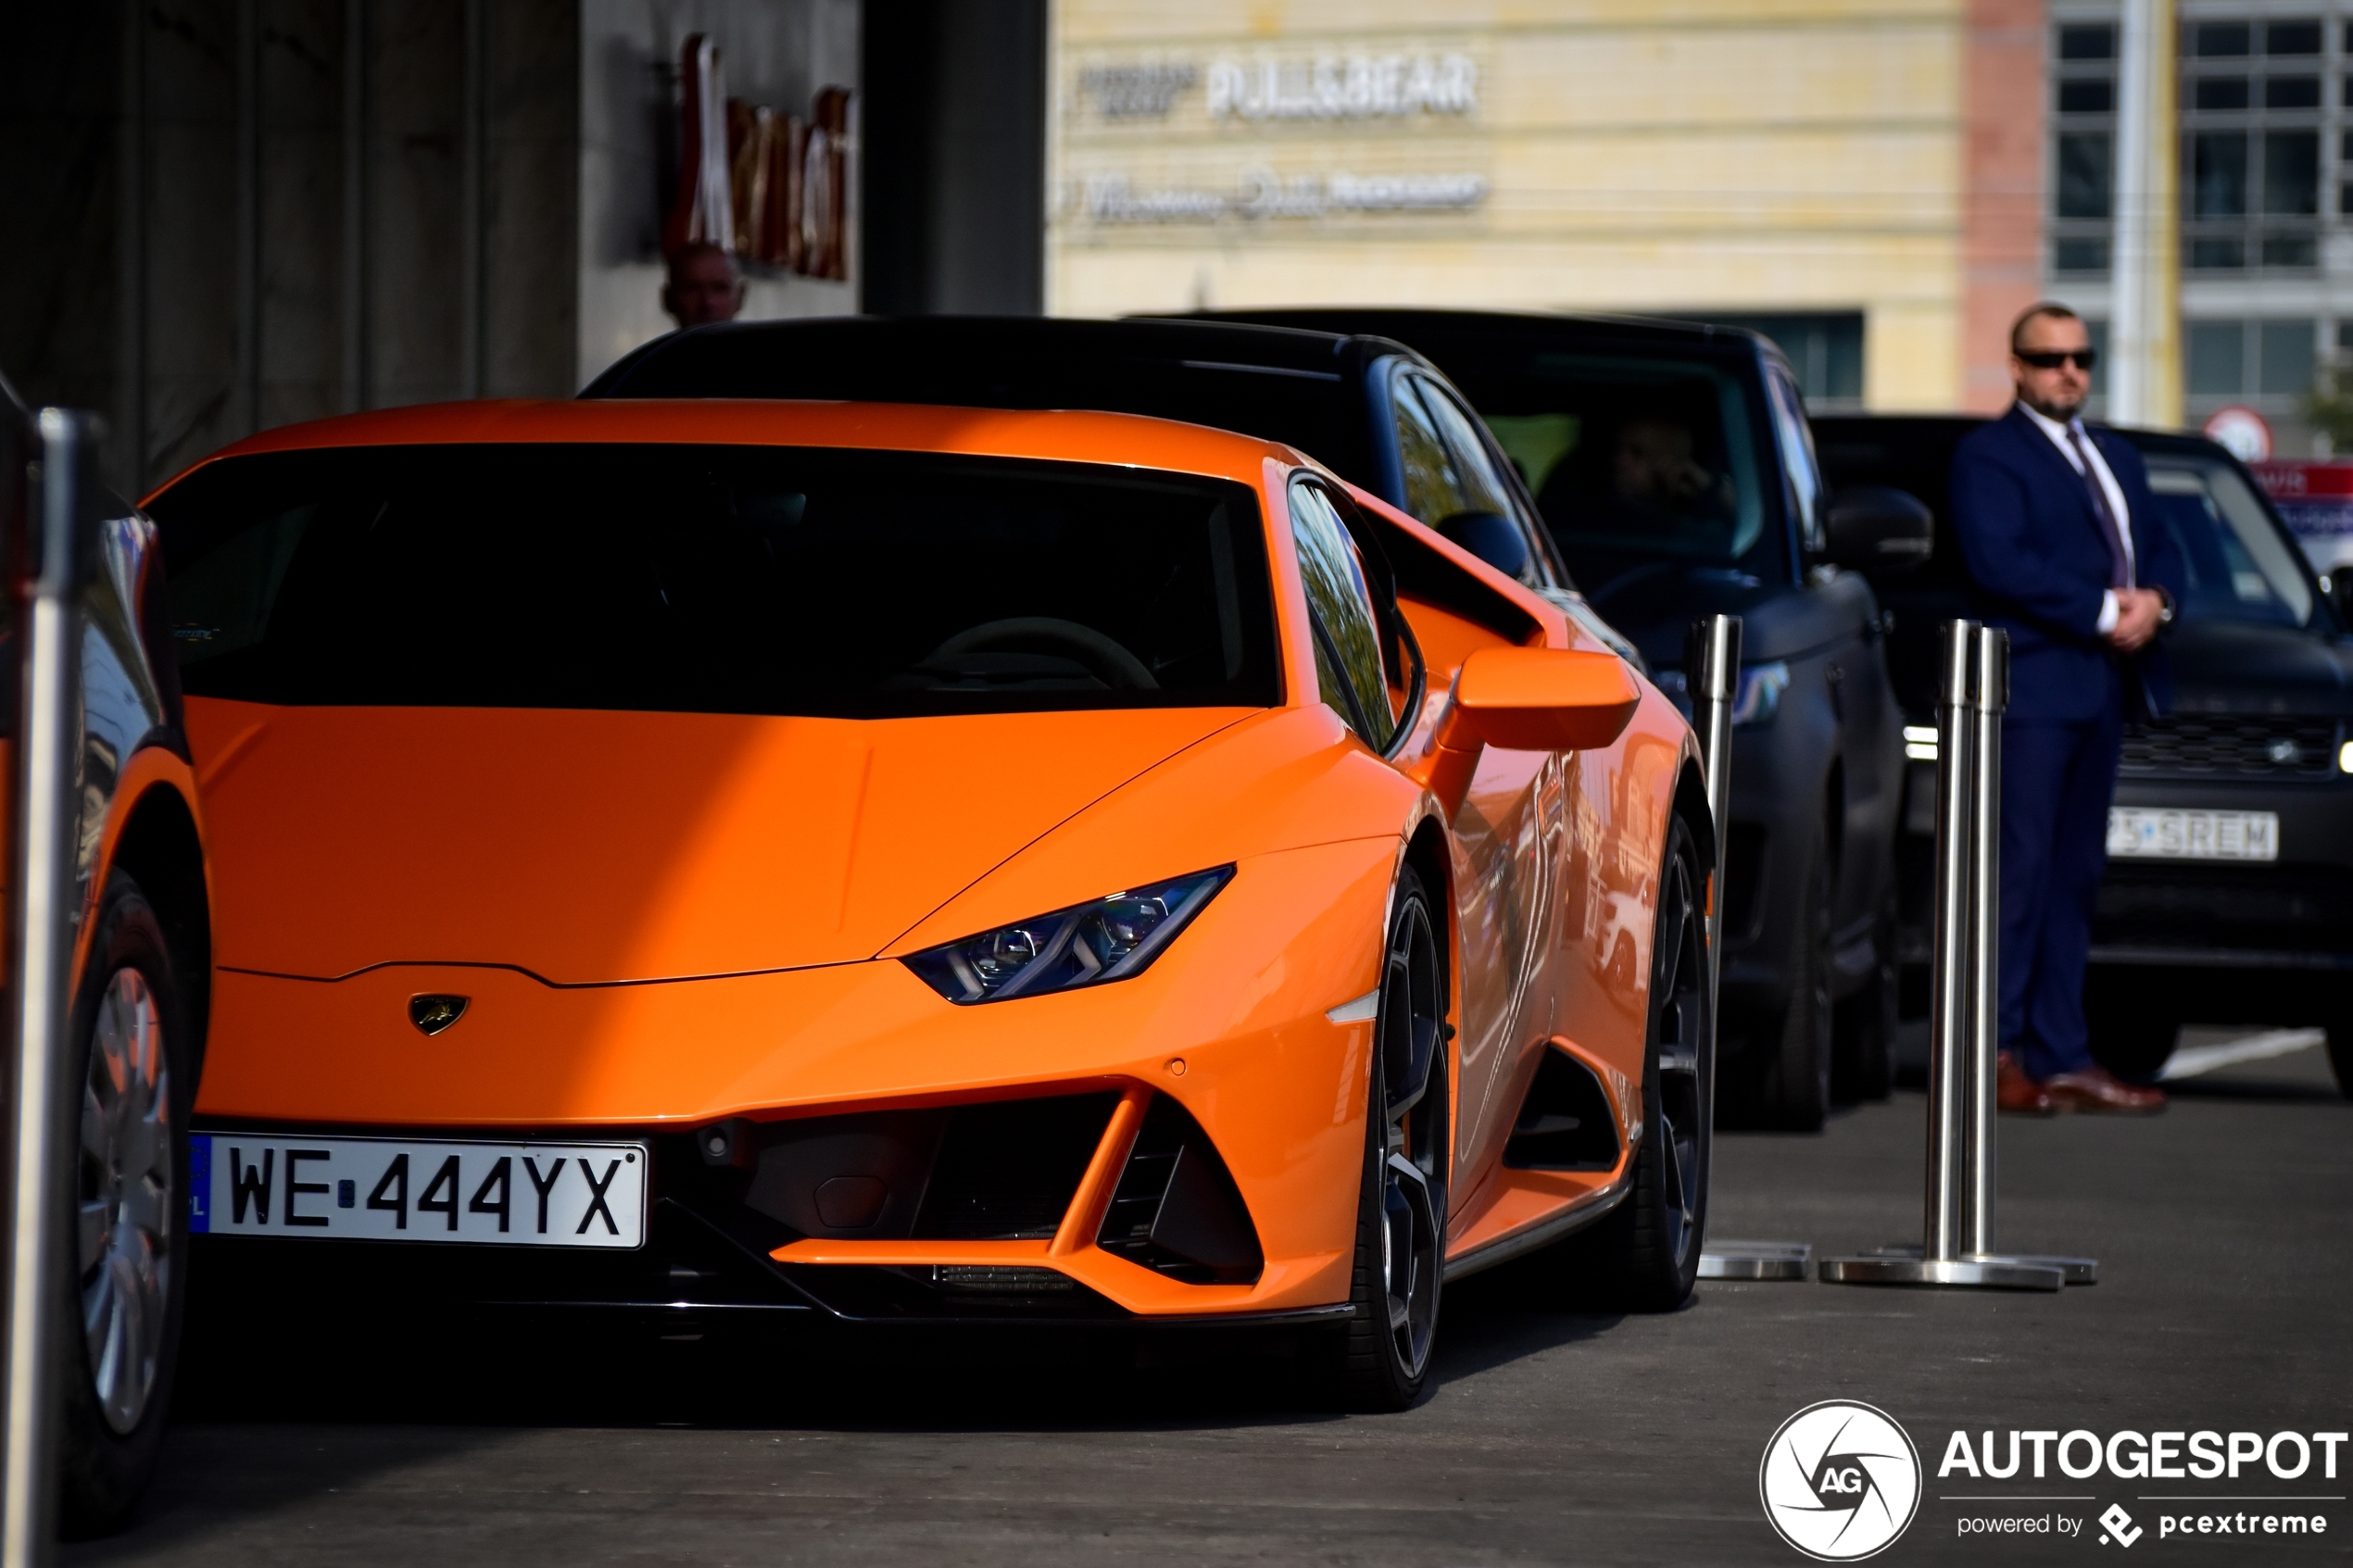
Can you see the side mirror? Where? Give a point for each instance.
(1874, 528)
(1526, 699)
(1491, 537)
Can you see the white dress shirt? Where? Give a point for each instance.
(2110, 609)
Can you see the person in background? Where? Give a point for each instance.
(702, 285)
(2065, 551)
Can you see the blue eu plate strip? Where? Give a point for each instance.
(199, 1183)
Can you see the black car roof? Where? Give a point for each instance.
(1953, 426)
(1407, 325)
(897, 349)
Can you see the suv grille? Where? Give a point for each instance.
(2232, 746)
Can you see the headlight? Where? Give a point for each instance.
(1760, 694)
(1089, 944)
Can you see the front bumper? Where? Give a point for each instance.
(2292, 916)
(860, 1071)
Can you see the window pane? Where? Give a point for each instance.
(2344, 336)
(2217, 254)
(2087, 42)
(2217, 350)
(2288, 356)
(2345, 200)
(2291, 38)
(2082, 255)
(2292, 172)
(2219, 38)
(2291, 92)
(761, 580)
(2291, 250)
(2096, 96)
(1433, 490)
(2083, 182)
(2218, 174)
(1484, 486)
(1349, 651)
(2221, 93)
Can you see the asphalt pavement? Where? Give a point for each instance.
(2225, 1241)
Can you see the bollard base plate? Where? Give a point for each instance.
(1756, 1259)
(2076, 1270)
(1975, 1274)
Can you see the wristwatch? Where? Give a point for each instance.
(2164, 607)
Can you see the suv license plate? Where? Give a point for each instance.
(2164, 833)
(416, 1189)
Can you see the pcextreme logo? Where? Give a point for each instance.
(1840, 1480)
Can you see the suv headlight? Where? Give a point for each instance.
(1090, 944)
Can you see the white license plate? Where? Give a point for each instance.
(2164, 833)
(415, 1189)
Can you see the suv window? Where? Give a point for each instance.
(1434, 487)
(1346, 628)
(1795, 440)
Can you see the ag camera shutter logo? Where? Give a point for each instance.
(1840, 1480)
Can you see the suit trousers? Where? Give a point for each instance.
(2057, 780)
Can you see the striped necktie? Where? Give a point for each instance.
(2119, 565)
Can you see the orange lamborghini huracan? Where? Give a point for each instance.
(922, 864)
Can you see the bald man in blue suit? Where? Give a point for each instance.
(2066, 552)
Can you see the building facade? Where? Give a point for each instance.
(2266, 180)
(1861, 178)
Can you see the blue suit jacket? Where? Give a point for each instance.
(2038, 565)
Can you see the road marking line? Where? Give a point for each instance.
(2191, 1061)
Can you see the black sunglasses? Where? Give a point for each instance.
(2083, 357)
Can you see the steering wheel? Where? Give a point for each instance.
(1104, 659)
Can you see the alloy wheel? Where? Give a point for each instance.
(1413, 1078)
(1679, 1025)
(126, 1199)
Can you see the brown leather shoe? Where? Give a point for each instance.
(2095, 1088)
(2018, 1094)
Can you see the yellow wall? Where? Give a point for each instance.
(1726, 155)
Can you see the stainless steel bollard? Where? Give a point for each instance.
(1989, 694)
(1712, 675)
(1712, 672)
(1964, 1029)
(1948, 982)
(41, 936)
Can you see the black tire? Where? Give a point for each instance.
(2134, 1030)
(1382, 1357)
(1644, 1256)
(133, 1082)
(1787, 1080)
(1863, 1026)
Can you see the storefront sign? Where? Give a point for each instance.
(1261, 193)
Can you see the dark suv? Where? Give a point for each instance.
(2228, 892)
(1674, 466)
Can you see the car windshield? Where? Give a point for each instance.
(715, 579)
(1638, 464)
(2241, 565)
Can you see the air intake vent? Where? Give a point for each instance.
(1177, 1208)
(1565, 1123)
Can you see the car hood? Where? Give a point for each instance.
(601, 848)
(2236, 667)
(1655, 610)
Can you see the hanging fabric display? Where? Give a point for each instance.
(704, 211)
